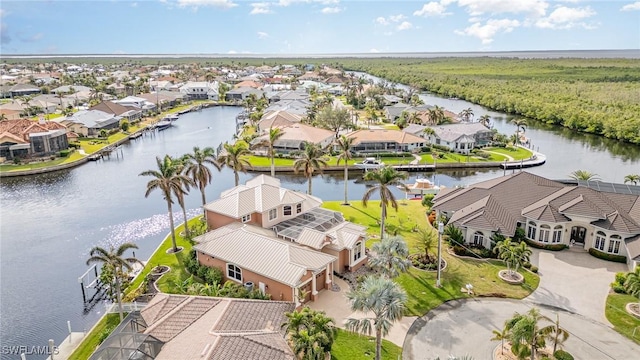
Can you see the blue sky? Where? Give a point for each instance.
(314, 26)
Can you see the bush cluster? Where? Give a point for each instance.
(209, 275)
(552, 247)
(618, 284)
(609, 257)
(562, 355)
(474, 252)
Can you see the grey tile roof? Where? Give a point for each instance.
(93, 118)
(252, 347)
(250, 315)
(633, 247)
(191, 309)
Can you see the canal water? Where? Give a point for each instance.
(50, 222)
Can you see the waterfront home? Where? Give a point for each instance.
(372, 141)
(200, 90)
(129, 113)
(89, 123)
(239, 94)
(298, 106)
(279, 118)
(24, 138)
(587, 215)
(137, 102)
(201, 327)
(393, 112)
(279, 240)
(460, 138)
(288, 95)
(165, 99)
(295, 136)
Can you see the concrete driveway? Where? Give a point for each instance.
(465, 328)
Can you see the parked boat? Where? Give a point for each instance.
(422, 186)
(163, 124)
(369, 164)
(170, 117)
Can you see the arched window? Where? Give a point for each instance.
(531, 230)
(614, 244)
(544, 233)
(601, 238)
(234, 272)
(557, 234)
(357, 251)
(478, 238)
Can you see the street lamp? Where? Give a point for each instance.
(440, 231)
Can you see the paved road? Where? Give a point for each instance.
(465, 328)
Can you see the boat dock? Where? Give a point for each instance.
(414, 167)
(536, 160)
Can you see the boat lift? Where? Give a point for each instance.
(91, 280)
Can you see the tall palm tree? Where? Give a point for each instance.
(234, 157)
(197, 169)
(584, 175)
(114, 261)
(382, 297)
(467, 114)
(485, 120)
(632, 178)
(311, 332)
(312, 159)
(186, 186)
(169, 180)
(269, 142)
(521, 126)
(390, 256)
(385, 178)
(344, 154)
(436, 115)
(556, 334)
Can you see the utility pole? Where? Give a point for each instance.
(440, 231)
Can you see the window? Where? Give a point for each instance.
(298, 208)
(557, 234)
(478, 238)
(544, 233)
(531, 230)
(246, 218)
(287, 210)
(600, 239)
(273, 213)
(234, 272)
(357, 252)
(614, 244)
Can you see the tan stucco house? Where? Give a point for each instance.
(281, 241)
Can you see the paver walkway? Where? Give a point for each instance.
(416, 160)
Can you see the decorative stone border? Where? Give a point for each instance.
(170, 250)
(506, 277)
(630, 309)
(165, 269)
(444, 266)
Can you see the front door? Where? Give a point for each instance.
(578, 234)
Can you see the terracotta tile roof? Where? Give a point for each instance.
(252, 347)
(244, 315)
(368, 136)
(248, 83)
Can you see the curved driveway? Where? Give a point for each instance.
(572, 283)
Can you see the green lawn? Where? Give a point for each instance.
(42, 164)
(351, 346)
(517, 153)
(91, 341)
(420, 285)
(623, 322)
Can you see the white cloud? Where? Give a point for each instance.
(631, 7)
(479, 7)
(323, 2)
(487, 31)
(225, 4)
(331, 10)
(397, 18)
(432, 9)
(475, 19)
(374, 50)
(565, 18)
(382, 21)
(260, 8)
(405, 25)
(232, 52)
(262, 35)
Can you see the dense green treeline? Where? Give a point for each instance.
(599, 96)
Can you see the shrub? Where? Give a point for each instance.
(213, 275)
(527, 265)
(74, 145)
(562, 355)
(440, 147)
(609, 257)
(104, 334)
(618, 289)
(64, 153)
(534, 269)
(551, 247)
(519, 235)
(425, 149)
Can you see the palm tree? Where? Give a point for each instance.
(234, 157)
(385, 178)
(169, 180)
(274, 135)
(513, 254)
(180, 196)
(555, 333)
(632, 178)
(525, 330)
(436, 115)
(453, 234)
(584, 175)
(382, 297)
(467, 114)
(390, 256)
(485, 120)
(520, 124)
(196, 167)
(344, 154)
(500, 335)
(312, 159)
(311, 332)
(114, 261)
(632, 283)
(427, 237)
(3, 117)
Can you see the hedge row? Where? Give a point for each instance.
(609, 257)
(552, 247)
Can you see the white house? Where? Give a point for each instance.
(197, 90)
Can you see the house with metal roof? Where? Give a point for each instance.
(91, 122)
(460, 137)
(600, 216)
(281, 241)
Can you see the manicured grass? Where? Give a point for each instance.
(90, 342)
(266, 161)
(622, 321)
(517, 153)
(352, 346)
(420, 285)
(391, 126)
(39, 165)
